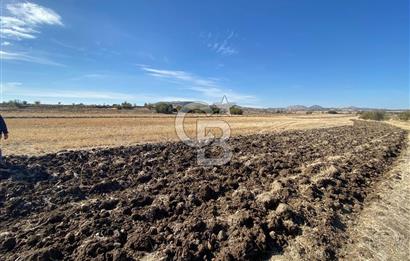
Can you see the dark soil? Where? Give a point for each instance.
(154, 200)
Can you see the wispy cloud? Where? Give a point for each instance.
(68, 46)
(77, 94)
(14, 28)
(9, 86)
(34, 14)
(207, 87)
(17, 90)
(92, 76)
(24, 19)
(4, 55)
(220, 44)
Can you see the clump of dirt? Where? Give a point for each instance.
(153, 200)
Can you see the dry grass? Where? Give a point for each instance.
(401, 124)
(35, 136)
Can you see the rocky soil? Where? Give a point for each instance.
(154, 202)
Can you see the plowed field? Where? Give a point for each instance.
(154, 202)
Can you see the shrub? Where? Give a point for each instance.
(163, 107)
(197, 111)
(17, 103)
(126, 105)
(149, 106)
(178, 108)
(404, 116)
(332, 112)
(374, 115)
(236, 110)
(196, 107)
(215, 109)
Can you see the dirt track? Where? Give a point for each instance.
(153, 201)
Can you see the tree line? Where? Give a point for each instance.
(168, 108)
(160, 107)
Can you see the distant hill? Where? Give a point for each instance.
(290, 109)
(305, 108)
(316, 108)
(297, 108)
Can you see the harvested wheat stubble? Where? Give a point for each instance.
(152, 201)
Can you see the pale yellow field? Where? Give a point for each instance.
(34, 136)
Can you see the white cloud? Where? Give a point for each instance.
(178, 75)
(5, 43)
(79, 94)
(26, 58)
(16, 90)
(220, 45)
(9, 86)
(34, 14)
(224, 48)
(68, 46)
(90, 76)
(94, 75)
(210, 88)
(24, 19)
(13, 34)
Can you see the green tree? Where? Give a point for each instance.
(149, 106)
(404, 116)
(235, 110)
(215, 109)
(374, 115)
(163, 107)
(126, 105)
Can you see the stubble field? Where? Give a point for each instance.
(33, 134)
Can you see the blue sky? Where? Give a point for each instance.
(258, 53)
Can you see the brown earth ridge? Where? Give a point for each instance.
(154, 201)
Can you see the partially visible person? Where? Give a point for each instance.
(3, 132)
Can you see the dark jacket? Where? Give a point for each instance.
(3, 126)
